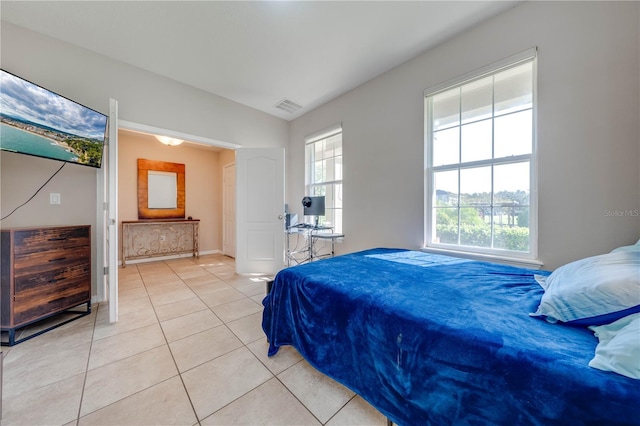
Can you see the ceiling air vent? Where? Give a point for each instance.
(288, 106)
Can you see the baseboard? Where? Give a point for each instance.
(169, 257)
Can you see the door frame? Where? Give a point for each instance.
(113, 193)
(225, 209)
(107, 218)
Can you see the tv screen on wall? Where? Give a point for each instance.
(36, 121)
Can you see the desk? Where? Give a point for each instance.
(308, 251)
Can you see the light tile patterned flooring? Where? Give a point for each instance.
(188, 349)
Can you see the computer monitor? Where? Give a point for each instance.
(313, 206)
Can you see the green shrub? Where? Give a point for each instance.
(513, 238)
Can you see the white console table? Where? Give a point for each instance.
(151, 238)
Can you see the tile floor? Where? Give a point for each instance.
(188, 349)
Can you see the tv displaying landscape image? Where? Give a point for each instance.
(38, 122)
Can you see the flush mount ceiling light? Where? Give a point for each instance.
(169, 141)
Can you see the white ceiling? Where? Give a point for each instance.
(257, 53)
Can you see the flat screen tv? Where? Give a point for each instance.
(36, 121)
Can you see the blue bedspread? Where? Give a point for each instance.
(436, 340)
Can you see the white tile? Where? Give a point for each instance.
(166, 287)
(179, 308)
(252, 289)
(124, 345)
(113, 382)
(178, 293)
(130, 305)
(222, 296)
(186, 325)
(129, 293)
(54, 404)
(285, 358)
(126, 322)
(166, 403)
(204, 288)
(205, 278)
(258, 298)
(268, 404)
(322, 395)
(249, 328)
(202, 347)
(358, 412)
(193, 272)
(31, 367)
(235, 310)
(216, 383)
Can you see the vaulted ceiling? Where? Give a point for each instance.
(257, 53)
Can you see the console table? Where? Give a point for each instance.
(151, 238)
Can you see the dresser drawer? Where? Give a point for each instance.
(36, 240)
(51, 299)
(50, 259)
(41, 282)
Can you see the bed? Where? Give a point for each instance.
(429, 339)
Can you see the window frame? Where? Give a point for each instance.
(531, 256)
(312, 139)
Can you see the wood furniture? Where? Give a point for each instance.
(144, 210)
(151, 238)
(44, 271)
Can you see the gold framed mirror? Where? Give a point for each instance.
(161, 190)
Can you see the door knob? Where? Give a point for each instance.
(280, 217)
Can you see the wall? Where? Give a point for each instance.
(143, 98)
(588, 130)
(75, 183)
(203, 182)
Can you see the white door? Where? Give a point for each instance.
(260, 210)
(110, 166)
(229, 210)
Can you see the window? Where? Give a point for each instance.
(480, 161)
(323, 171)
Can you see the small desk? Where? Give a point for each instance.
(150, 238)
(309, 252)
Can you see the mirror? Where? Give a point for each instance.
(161, 190)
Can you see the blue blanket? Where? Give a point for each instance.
(436, 340)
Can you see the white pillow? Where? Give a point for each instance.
(635, 247)
(619, 347)
(592, 291)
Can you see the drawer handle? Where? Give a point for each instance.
(55, 280)
(57, 259)
(57, 239)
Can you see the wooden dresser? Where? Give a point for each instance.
(44, 271)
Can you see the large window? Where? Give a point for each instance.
(323, 171)
(480, 161)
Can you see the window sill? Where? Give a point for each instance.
(513, 261)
